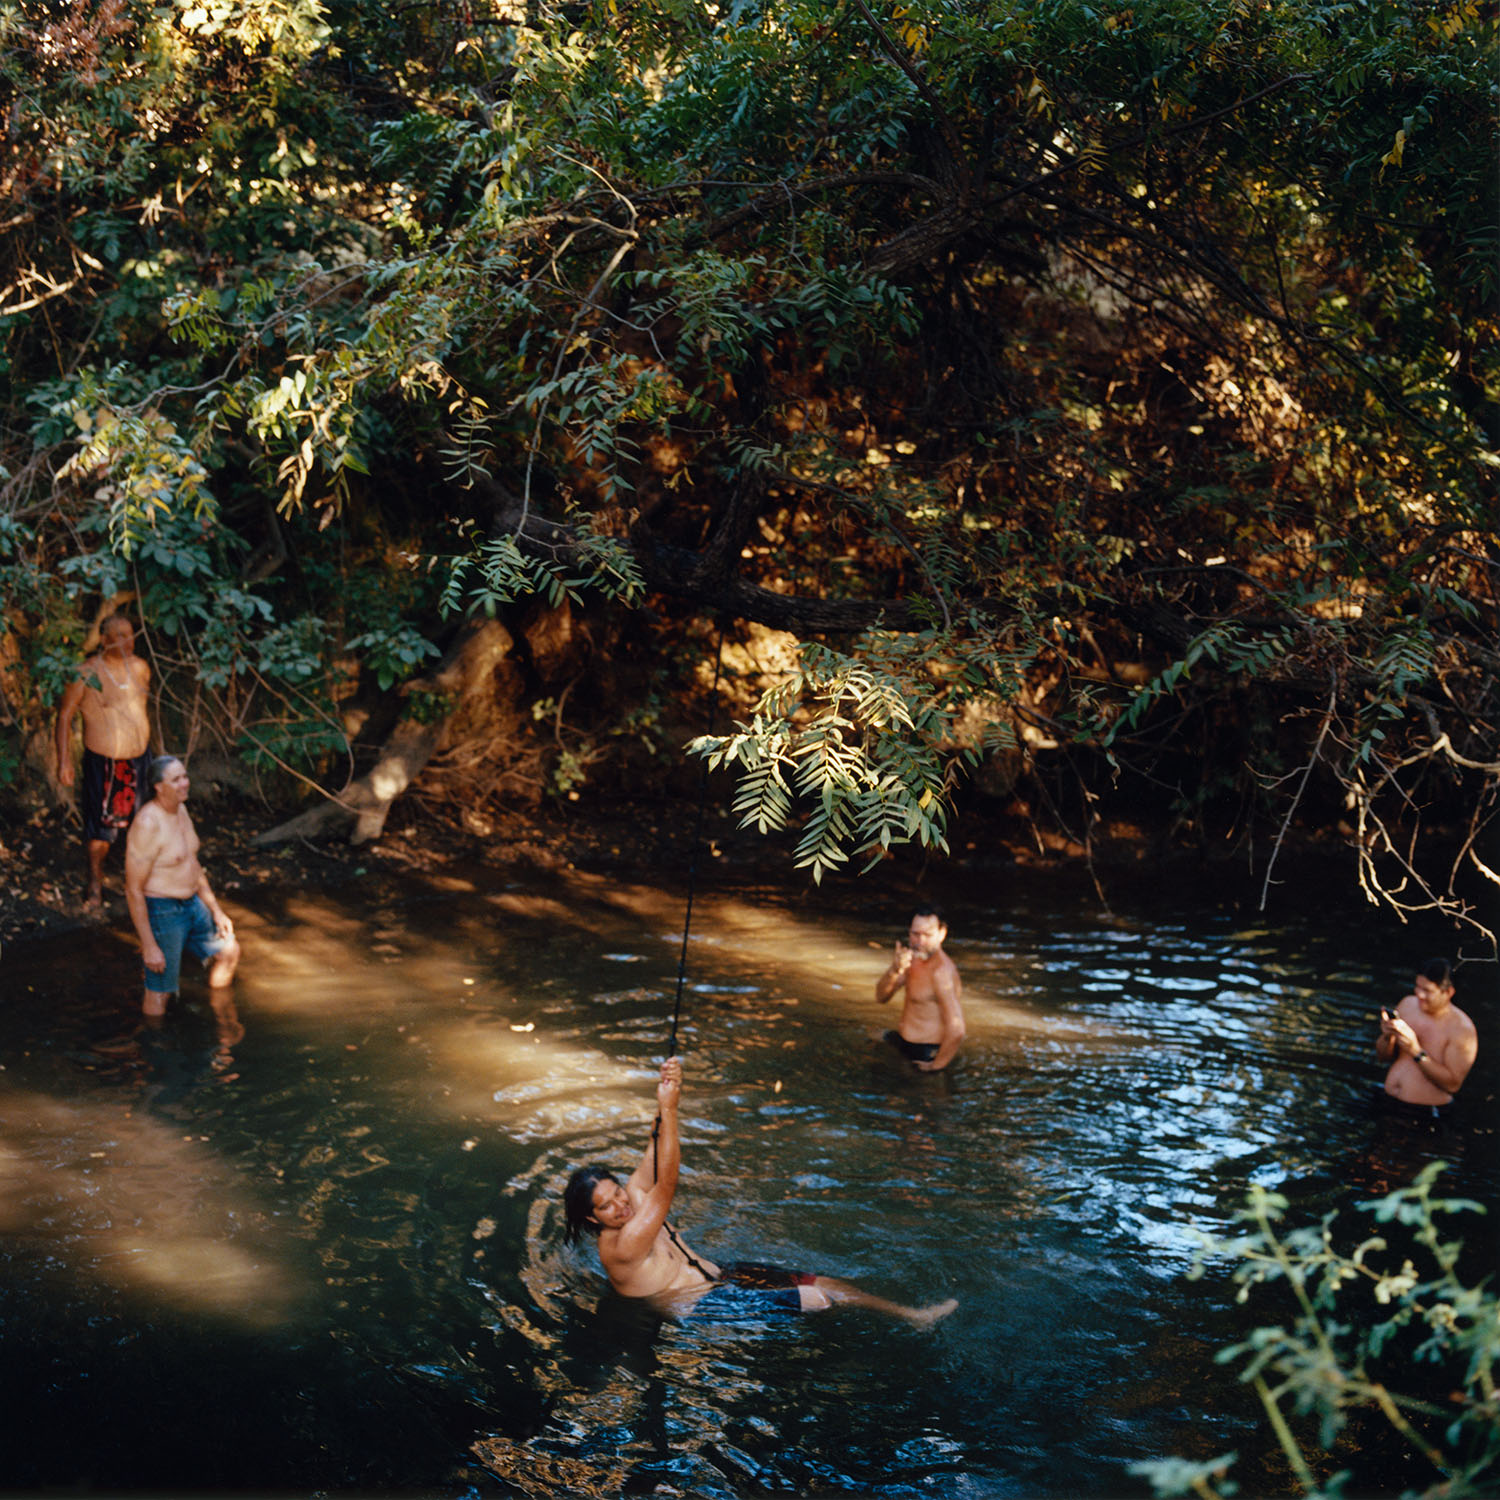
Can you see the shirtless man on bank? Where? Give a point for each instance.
(1429, 1042)
(643, 1256)
(171, 902)
(110, 689)
(932, 1019)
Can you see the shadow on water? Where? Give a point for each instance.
(308, 1238)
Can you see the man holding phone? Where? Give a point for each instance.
(932, 1018)
(1429, 1042)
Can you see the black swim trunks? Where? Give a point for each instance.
(748, 1289)
(111, 794)
(1392, 1108)
(912, 1051)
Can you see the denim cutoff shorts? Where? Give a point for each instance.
(178, 923)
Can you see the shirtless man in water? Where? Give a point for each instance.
(932, 1019)
(643, 1256)
(1429, 1042)
(171, 902)
(110, 690)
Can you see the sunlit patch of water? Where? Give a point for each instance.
(417, 1075)
(91, 1198)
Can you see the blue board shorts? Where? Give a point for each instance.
(178, 923)
(752, 1290)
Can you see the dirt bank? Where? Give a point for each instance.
(43, 863)
(41, 887)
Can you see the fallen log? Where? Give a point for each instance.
(466, 677)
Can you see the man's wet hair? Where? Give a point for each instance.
(931, 910)
(119, 617)
(578, 1200)
(158, 771)
(1438, 970)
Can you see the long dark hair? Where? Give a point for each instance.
(578, 1200)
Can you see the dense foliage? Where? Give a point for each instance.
(1403, 1337)
(1107, 387)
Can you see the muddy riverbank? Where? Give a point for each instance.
(41, 856)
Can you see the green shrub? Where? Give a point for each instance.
(1370, 1325)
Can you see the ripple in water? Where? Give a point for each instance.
(385, 1168)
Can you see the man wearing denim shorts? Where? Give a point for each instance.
(171, 903)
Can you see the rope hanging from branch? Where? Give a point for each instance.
(687, 920)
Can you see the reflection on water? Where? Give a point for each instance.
(310, 1236)
(112, 1206)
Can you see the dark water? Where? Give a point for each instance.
(312, 1243)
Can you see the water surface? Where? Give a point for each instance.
(311, 1242)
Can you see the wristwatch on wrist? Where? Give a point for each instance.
(1419, 1056)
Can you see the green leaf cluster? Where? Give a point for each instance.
(1135, 362)
(863, 745)
(1411, 1343)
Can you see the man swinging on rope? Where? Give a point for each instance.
(643, 1256)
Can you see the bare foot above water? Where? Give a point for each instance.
(925, 1317)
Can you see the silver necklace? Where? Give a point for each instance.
(104, 666)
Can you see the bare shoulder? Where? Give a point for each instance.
(146, 829)
(611, 1256)
(141, 668)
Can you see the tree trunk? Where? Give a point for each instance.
(467, 678)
